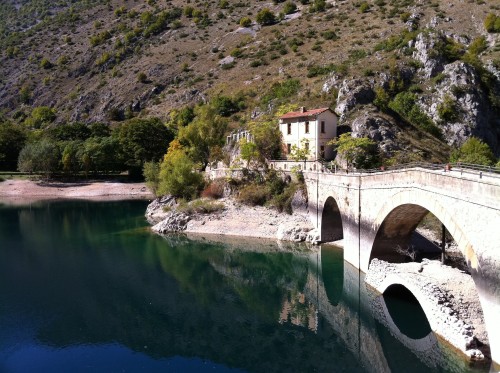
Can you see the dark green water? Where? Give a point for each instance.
(85, 287)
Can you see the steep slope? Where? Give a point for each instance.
(106, 62)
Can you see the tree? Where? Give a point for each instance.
(40, 117)
(177, 174)
(70, 132)
(42, 156)
(300, 153)
(265, 17)
(12, 140)
(358, 152)
(267, 137)
(142, 140)
(205, 132)
(248, 151)
(101, 154)
(70, 157)
(473, 151)
(151, 173)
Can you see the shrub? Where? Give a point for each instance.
(214, 190)
(329, 35)
(245, 22)
(447, 110)
(265, 17)
(142, 77)
(364, 7)
(253, 195)
(492, 23)
(199, 206)
(45, 63)
(317, 6)
(151, 173)
(478, 46)
(473, 151)
(289, 8)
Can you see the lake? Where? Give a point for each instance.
(86, 287)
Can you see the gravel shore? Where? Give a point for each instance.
(22, 191)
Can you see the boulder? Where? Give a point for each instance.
(352, 93)
(173, 222)
(293, 232)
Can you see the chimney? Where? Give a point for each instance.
(302, 109)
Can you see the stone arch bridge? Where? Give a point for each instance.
(374, 213)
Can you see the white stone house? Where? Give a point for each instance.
(312, 129)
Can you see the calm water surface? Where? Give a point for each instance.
(85, 287)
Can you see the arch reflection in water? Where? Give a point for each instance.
(332, 270)
(406, 312)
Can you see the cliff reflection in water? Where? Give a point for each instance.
(84, 275)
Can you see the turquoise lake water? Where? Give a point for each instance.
(86, 287)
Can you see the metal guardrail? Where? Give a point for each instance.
(462, 168)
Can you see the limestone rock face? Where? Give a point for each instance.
(461, 87)
(352, 93)
(425, 45)
(299, 202)
(371, 124)
(293, 232)
(173, 222)
(155, 210)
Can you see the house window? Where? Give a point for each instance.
(289, 129)
(288, 148)
(322, 126)
(307, 127)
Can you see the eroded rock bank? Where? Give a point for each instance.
(233, 219)
(447, 295)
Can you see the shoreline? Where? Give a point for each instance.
(17, 191)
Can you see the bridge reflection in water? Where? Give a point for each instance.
(374, 326)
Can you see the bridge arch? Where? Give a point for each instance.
(332, 228)
(399, 217)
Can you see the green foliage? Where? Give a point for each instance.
(282, 91)
(300, 153)
(405, 104)
(396, 41)
(200, 206)
(100, 38)
(101, 154)
(248, 151)
(473, 151)
(364, 7)
(289, 7)
(382, 98)
(478, 46)
(205, 132)
(329, 35)
(317, 6)
(492, 23)
(267, 137)
(448, 110)
(180, 118)
(151, 173)
(40, 117)
(45, 63)
(143, 140)
(142, 77)
(224, 105)
(42, 157)
(12, 140)
(265, 17)
(70, 132)
(253, 195)
(177, 174)
(245, 22)
(358, 152)
(25, 95)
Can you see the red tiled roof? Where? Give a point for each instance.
(305, 113)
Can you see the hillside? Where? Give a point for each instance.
(431, 66)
